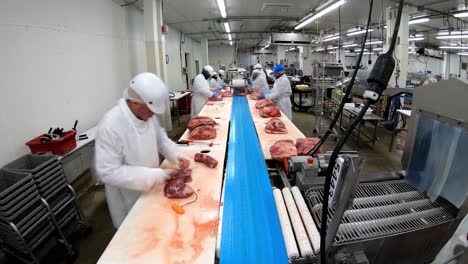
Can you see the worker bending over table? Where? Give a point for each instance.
(128, 140)
(281, 91)
(259, 82)
(201, 90)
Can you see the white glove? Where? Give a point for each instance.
(160, 175)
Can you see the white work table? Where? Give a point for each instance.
(154, 233)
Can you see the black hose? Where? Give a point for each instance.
(397, 27)
(349, 87)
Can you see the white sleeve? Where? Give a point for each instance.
(110, 167)
(201, 86)
(275, 91)
(167, 147)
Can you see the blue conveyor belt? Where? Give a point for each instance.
(251, 231)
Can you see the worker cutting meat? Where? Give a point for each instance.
(201, 89)
(259, 82)
(259, 67)
(128, 141)
(281, 91)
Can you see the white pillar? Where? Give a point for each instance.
(156, 50)
(446, 66)
(280, 54)
(401, 47)
(204, 53)
(301, 58)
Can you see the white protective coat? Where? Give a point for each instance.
(260, 83)
(213, 84)
(201, 93)
(220, 81)
(281, 94)
(127, 159)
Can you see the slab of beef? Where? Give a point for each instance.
(219, 98)
(197, 121)
(270, 111)
(264, 102)
(227, 94)
(275, 126)
(177, 189)
(283, 149)
(202, 133)
(241, 93)
(186, 175)
(305, 145)
(206, 159)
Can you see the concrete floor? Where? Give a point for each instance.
(93, 203)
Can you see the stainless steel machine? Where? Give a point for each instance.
(398, 217)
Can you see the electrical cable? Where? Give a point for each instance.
(348, 88)
(378, 80)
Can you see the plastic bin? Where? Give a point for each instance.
(31, 163)
(59, 146)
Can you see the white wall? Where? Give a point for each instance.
(223, 54)
(62, 61)
(176, 80)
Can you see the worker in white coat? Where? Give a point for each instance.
(201, 90)
(281, 91)
(259, 83)
(259, 67)
(214, 82)
(221, 78)
(128, 142)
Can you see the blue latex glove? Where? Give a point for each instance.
(262, 96)
(269, 92)
(219, 89)
(250, 84)
(214, 95)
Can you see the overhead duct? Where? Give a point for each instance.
(290, 38)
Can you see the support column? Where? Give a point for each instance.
(156, 50)
(280, 54)
(401, 47)
(301, 58)
(446, 66)
(204, 53)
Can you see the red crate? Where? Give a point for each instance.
(59, 146)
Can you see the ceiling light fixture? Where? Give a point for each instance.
(230, 42)
(367, 53)
(462, 14)
(229, 37)
(415, 39)
(419, 20)
(358, 32)
(319, 49)
(453, 47)
(374, 42)
(376, 49)
(320, 13)
(331, 38)
(456, 36)
(463, 53)
(332, 48)
(222, 8)
(226, 26)
(267, 45)
(349, 45)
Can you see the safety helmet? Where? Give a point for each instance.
(256, 72)
(210, 70)
(221, 72)
(147, 88)
(278, 68)
(258, 66)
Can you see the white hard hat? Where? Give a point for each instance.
(210, 70)
(150, 90)
(221, 72)
(258, 66)
(255, 72)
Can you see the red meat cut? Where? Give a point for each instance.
(255, 95)
(219, 98)
(177, 189)
(206, 159)
(305, 145)
(275, 126)
(270, 111)
(186, 175)
(202, 133)
(264, 102)
(227, 94)
(283, 149)
(197, 121)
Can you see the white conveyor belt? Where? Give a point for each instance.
(286, 228)
(309, 224)
(299, 230)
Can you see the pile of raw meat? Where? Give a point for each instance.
(201, 128)
(209, 161)
(286, 148)
(227, 94)
(276, 126)
(267, 108)
(176, 187)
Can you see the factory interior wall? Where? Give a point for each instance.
(176, 49)
(222, 54)
(63, 61)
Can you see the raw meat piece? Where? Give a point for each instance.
(256, 95)
(202, 133)
(177, 189)
(219, 98)
(275, 126)
(241, 93)
(304, 145)
(283, 149)
(186, 175)
(270, 111)
(264, 102)
(206, 159)
(227, 94)
(197, 121)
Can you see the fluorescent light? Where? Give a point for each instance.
(230, 42)
(463, 14)
(419, 20)
(321, 13)
(417, 35)
(222, 8)
(374, 42)
(463, 53)
(367, 53)
(358, 50)
(267, 45)
(331, 38)
(226, 26)
(358, 32)
(415, 39)
(229, 37)
(453, 47)
(349, 45)
(332, 52)
(319, 49)
(376, 49)
(332, 48)
(385, 26)
(452, 37)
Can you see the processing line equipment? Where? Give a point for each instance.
(398, 217)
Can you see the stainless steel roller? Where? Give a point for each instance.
(286, 228)
(309, 224)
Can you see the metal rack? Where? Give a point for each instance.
(53, 194)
